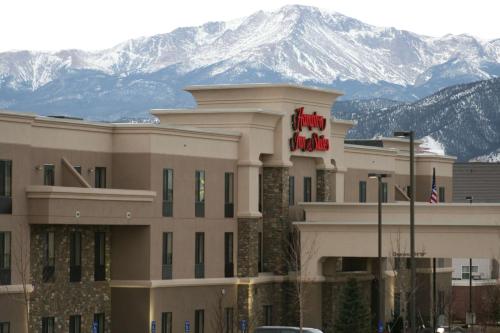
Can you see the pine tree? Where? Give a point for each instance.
(353, 315)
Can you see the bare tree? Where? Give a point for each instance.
(299, 256)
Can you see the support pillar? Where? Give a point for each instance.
(324, 185)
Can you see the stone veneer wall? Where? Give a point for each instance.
(323, 185)
(248, 246)
(275, 222)
(61, 299)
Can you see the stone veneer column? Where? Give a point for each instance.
(323, 185)
(248, 247)
(275, 219)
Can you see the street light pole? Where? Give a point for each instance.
(380, 305)
(413, 275)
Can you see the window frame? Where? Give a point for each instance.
(49, 174)
(200, 193)
(75, 324)
(75, 257)
(291, 190)
(5, 258)
(307, 183)
(168, 192)
(199, 321)
(442, 194)
(48, 324)
(100, 177)
(385, 192)
(49, 256)
(229, 194)
(167, 255)
(166, 322)
(5, 186)
(100, 256)
(228, 254)
(199, 255)
(362, 191)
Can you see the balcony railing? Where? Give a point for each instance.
(199, 271)
(166, 272)
(5, 205)
(4, 276)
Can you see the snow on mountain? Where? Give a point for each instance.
(432, 146)
(298, 43)
(493, 157)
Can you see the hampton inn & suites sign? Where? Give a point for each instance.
(315, 142)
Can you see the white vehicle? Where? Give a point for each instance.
(285, 329)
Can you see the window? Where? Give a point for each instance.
(442, 197)
(385, 192)
(260, 192)
(100, 177)
(99, 322)
(75, 324)
(408, 191)
(199, 321)
(229, 194)
(362, 191)
(291, 190)
(5, 327)
(78, 168)
(167, 256)
(199, 256)
(49, 257)
(75, 257)
(465, 272)
(260, 263)
(168, 192)
(228, 255)
(49, 174)
(307, 189)
(199, 205)
(166, 322)
(48, 325)
(228, 320)
(5, 187)
(5, 238)
(100, 256)
(268, 315)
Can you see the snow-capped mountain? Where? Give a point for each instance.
(293, 44)
(464, 119)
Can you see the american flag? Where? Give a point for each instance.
(434, 193)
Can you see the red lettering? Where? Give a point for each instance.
(299, 120)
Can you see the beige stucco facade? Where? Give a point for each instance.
(244, 130)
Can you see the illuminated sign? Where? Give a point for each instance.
(311, 121)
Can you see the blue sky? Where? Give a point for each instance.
(96, 24)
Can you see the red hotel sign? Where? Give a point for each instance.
(315, 142)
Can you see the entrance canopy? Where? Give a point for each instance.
(441, 231)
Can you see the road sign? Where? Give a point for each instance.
(243, 325)
(380, 327)
(187, 327)
(153, 326)
(94, 327)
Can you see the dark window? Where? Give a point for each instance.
(5, 327)
(100, 256)
(199, 321)
(260, 263)
(260, 192)
(100, 177)
(48, 325)
(397, 305)
(5, 187)
(49, 174)
(307, 189)
(268, 315)
(99, 322)
(229, 194)
(75, 324)
(49, 257)
(78, 169)
(167, 257)
(228, 320)
(168, 192)
(199, 205)
(442, 197)
(166, 322)
(75, 257)
(5, 270)
(199, 256)
(228, 255)
(291, 191)
(385, 193)
(362, 191)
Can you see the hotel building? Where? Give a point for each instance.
(155, 227)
